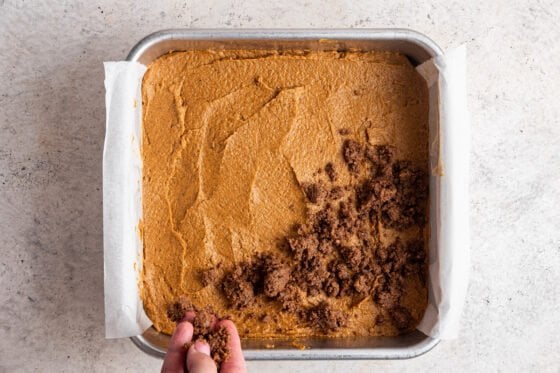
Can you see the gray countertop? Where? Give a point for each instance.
(51, 138)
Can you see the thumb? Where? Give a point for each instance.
(199, 360)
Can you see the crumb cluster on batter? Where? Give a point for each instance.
(288, 190)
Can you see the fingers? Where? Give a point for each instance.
(235, 363)
(199, 360)
(189, 316)
(175, 358)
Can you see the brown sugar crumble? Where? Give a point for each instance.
(209, 276)
(335, 254)
(331, 172)
(177, 310)
(325, 318)
(353, 155)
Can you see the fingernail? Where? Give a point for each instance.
(202, 346)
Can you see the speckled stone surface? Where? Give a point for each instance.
(51, 137)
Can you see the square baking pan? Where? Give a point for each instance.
(418, 48)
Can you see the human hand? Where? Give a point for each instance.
(197, 359)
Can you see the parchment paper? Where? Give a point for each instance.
(122, 207)
(449, 193)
